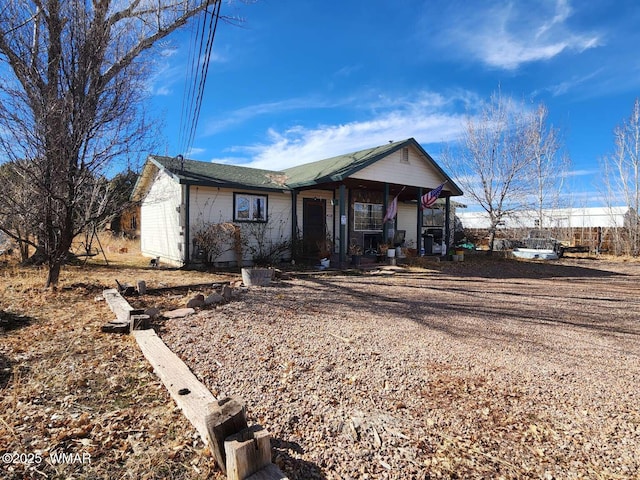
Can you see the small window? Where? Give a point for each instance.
(367, 216)
(432, 217)
(249, 208)
(405, 155)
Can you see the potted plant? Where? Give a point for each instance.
(325, 249)
(355, 251)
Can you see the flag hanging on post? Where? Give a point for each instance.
(392, 209)
(430, 197)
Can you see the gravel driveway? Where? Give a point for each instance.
(481, 369)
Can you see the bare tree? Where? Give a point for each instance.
(18, 219)
(71, 83)
(504, 159)
(621, 179)
(549, 166)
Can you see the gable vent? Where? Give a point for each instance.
(405, 155)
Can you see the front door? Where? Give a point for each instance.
(314, 227)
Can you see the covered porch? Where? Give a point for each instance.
(354, 219)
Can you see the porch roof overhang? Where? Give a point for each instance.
(406, 193)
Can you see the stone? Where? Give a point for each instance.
(227, 292)
(179, 313)
(197, 301)
(153, 312)
(214, 298)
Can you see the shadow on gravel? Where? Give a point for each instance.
(12, 321)
(6, 369)
(441, 303)
(502, 268)
(296, 468)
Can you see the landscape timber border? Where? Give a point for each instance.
(243, 452)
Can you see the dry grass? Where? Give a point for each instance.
(68, 388)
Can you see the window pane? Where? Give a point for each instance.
(367, 216)
(433, 217)
(242, 208)
(259, 208)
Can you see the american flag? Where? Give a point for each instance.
(391, 210)
(430, 197)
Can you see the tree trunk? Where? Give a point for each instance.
(492, 239)
(54, 274)
(57, 258)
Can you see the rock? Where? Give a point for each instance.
(153, 312)
(179, 313)
(196, 302)
(214, 298)
(227, 292)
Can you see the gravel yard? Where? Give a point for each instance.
(481, 369)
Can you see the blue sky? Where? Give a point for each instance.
(304, 80)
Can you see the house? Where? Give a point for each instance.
(127, 223)
(326, 206)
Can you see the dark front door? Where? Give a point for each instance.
(314, 227)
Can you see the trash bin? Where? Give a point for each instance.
(428, 244)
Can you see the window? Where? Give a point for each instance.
(249, 208)
(432, 217)
(367, 216)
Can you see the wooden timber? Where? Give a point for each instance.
(247, 452)
(178, 380)
(127, 317)
(224, 418)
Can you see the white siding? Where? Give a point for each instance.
(215, 205)
(160, 230)
(418, 172)
(408, 220)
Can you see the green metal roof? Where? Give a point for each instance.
(334, 169)
(221, 175)
(337, 168)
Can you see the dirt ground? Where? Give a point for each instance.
(481, 369)
(489, 368)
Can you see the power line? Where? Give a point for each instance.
(194, 90)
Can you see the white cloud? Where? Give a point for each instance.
(509, 34)
(195, 151)
(267, 109)
(582, 173)
(427, 119)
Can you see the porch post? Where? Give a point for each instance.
(385, 205)
(186, 231)
(419, 222)
(447, 224)
(343, 225)
(294, 224)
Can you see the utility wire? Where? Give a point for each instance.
(213, 26)
(196, 77)
(191, 81)
(188, 87)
